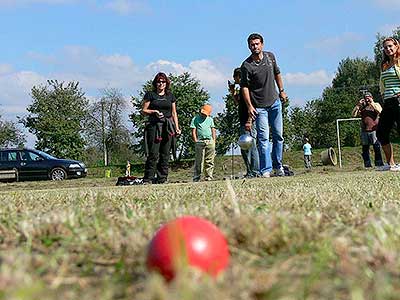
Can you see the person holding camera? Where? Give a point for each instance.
(390, 91)
(259, 79)
(250, 156)
(369, 112)
(161, 127)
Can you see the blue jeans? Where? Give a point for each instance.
(266, 117)
(250, 157)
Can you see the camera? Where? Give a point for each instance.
(364, 103)
(234, 86)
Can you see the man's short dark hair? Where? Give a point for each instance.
(255, 36)
(237, 72)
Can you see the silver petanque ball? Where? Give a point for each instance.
(245, 141)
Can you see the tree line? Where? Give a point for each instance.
(67, 124)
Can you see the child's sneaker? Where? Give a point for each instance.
(395, 168)
(385, 167)
(280, 172)
(266, 175)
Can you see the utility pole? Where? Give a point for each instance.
(103, 133)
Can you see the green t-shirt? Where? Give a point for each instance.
(203, 126)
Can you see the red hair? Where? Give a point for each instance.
(386, 59)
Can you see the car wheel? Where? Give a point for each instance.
(58, 174)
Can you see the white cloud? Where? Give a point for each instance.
(316, 78)
(15, 90)
(13, 109)
(126, 7)
(5, 69)
(332, 44)
(122, 7)
(117, 60)
(96, 71)
(204, 70)
(27, 2)
(166, 67)
(93, 70)
(388, 29)
(388, 4)
(299, 102)
(207, 72)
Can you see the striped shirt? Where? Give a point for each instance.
(391, 82)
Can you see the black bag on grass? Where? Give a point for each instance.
(287, 171)
(129, 180)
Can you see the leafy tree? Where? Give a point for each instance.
(286, 121)
(301, 124)
(318, 118)
(228, 125)
(104, 126)
(353, 76)
(10, 134)
(190, 97)
(56, 116)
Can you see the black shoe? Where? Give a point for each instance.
(161, 181)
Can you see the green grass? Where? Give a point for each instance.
(327, 234)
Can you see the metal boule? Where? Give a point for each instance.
(245, 141)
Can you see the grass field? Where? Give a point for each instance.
(326, 234)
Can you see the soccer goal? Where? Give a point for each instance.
(338, 135)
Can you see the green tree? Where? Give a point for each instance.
(10, 134)
(105, 129)
(56, 117)
(352, 77)
(190, 97)
(286, 121)
(228, 125)
(301, 124)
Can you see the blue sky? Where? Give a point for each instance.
(123, 43)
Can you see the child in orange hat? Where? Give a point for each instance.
(204, 135)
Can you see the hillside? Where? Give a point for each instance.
(182, 171)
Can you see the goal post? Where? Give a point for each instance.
(338, 136)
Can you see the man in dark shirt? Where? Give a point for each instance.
(250, 156)
(260, 73)
(369, 112)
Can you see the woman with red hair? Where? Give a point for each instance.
(162, 125)
(390, 90)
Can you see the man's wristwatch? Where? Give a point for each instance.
(281, 90)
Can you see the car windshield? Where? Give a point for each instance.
(45, 155)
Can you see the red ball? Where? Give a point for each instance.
(188, 241)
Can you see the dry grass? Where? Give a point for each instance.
(321, 235)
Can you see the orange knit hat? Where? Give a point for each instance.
(206, 109)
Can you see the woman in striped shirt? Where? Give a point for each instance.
(390, 90)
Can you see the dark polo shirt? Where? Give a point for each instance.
(259, 78)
